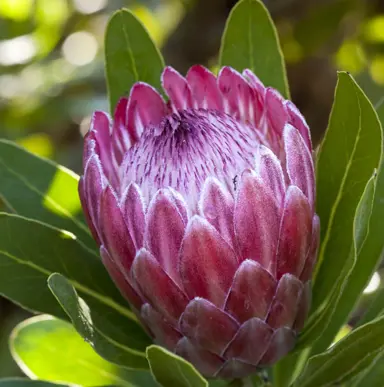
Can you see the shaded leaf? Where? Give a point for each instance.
(31, 251)
(250, 41)
(82, 317)
(375, 309)
(349, 154)
(348, 356)
(373, 375)
(171, 370)
(130, 56)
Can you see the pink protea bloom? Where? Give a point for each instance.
(204, 211)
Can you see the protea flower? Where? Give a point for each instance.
(204, 211)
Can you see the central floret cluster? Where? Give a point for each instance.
(203, 208)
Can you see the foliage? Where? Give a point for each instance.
(49, 263)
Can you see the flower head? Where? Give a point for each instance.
(203, 208)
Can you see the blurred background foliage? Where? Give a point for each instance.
(52, 75)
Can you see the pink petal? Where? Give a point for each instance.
(251, 293)
(164, 334)
(295, 233)
(207, 262)
(120, 138)
(234, 368)
(239, 97)
(120, 278)
(303, 308)
(285, 304)
(165, 231)
(180, 203)
(114, 231)
(205, 362)
(132, 205)
(297, 120)
(299, 163)
(100, 131)
(94, 184)
(217, 206)
(89, 147)
(205, 91)
(257, 222)
(283, 340)
(177, 89)
(157, 287)
(269, 169)
(277, 114)
(87, 215)
(259, 98)
(207, 326)
(254, 82)
(310, 261)
(145, 107)
(251, 341)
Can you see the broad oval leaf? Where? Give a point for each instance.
(82, 317)
(349, 154)
(250, 41)
(347, 355)
(34, 187)
(130, 56)
(31, 251)
(169, 369)
(50, 349)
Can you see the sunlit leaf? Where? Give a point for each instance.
(16, 9)
(130, 56)
(250, 41)
(40, 189)
(21, 382)
(51, 349)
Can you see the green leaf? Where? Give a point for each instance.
(348, 156)
(171, 370)
(50, 349)
(130, 56)
(285, 370)
(21, 382)
(347, 356)
(375, 309)
(40, 189)
(250, 41)
(31, 251)
(373, 375)
(362, 268)
(82, 317)
(363, 214)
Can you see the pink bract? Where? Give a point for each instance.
(204, 211)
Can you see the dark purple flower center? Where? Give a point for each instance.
(185, 149)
